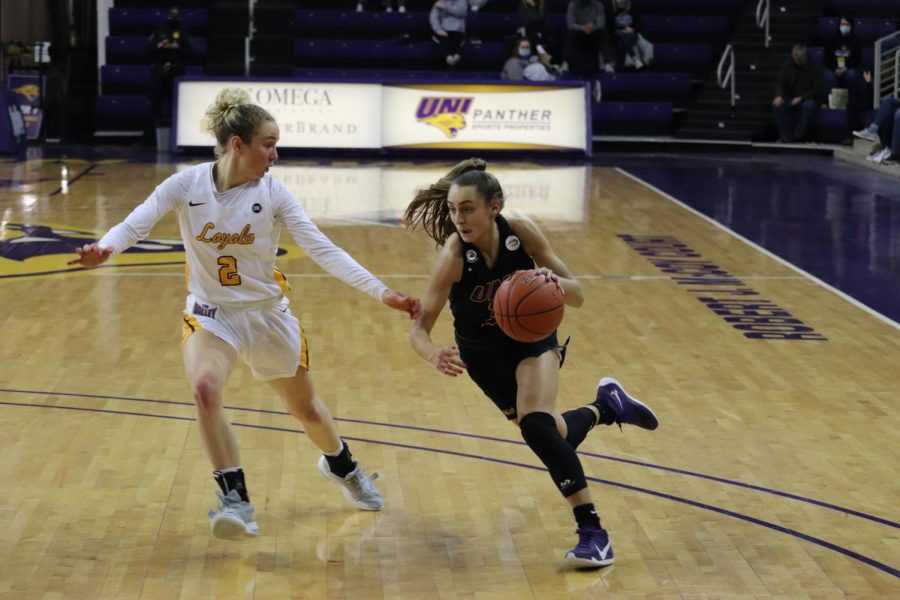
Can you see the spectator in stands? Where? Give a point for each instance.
(514, 68)
(448, 21)
(524, 65)
(634, 50)
(796, 91)
(388, 6)
(587, 45)
(887, 152)
(169, 50)
(842, 61)
(532, 13)
(885, 128)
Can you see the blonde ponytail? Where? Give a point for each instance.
(233, 113)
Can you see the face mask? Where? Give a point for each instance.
(845, 30)
(524, 53)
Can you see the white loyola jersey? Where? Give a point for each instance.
(231, 238)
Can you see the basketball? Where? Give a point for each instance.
(527, 307)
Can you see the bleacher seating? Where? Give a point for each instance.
(332, 41)
(872, 19)
(869, 8)
(141, 21)
(867, 29)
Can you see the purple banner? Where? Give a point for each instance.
(28, 89)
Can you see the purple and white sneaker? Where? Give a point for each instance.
(593, 550)
(625, 409)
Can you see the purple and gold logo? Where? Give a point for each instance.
(447, 114)
(29, 91)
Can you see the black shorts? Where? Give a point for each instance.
(492, 366)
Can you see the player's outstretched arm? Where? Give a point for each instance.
(91, 255)
(399, 301)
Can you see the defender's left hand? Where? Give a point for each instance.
(409, 304)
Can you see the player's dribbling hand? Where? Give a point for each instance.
(408, 304)
(447, 361)
(551, 277)
(90, 255)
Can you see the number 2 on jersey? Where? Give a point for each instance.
(228, 274)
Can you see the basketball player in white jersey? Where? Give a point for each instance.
(231, 213)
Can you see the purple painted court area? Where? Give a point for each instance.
(836, 221)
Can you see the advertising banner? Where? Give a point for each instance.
(309, 115)
(27, 88)
(12, 125)
(528, 117)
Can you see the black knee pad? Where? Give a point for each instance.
(540, 433)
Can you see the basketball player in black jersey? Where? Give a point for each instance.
(480, 248)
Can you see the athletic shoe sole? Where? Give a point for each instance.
(587, 563)
(230, 527)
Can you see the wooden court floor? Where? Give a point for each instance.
(774, 473)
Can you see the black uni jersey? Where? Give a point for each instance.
(472, 297)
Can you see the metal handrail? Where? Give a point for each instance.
(728, 77)
(887, 62)
(763, 16)
(251, 29)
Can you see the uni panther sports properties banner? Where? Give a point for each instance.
(531, 117)
(367, 115)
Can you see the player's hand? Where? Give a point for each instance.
(551, 277)
(796, 101)
(408, 304)
(867, 75)
(778, 101)
(90, 255)
(447, 361)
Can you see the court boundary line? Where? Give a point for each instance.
(764, 251)
(716, 509)
(735, 483)
(600, 277)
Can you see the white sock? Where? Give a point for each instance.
(337, 452)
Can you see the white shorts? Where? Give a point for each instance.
(269, 340)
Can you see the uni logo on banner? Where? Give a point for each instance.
(29, 91)
(447, 114)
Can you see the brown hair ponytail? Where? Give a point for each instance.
(429, 211)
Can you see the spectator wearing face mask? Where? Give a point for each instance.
(634, 50)
(587, 44)
(525, 65)
(842, 68)
(169, 49)
(531, 15)
(448, 22)
(795, 102)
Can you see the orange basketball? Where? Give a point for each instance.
(527, 307)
